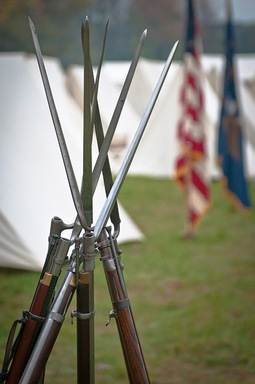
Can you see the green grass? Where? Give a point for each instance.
(193, 300)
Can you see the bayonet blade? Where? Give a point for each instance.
(107, 174)
(102, 163)
(58, 129)
(86, 189)
(94, 87)
(95, 114)
(116, 115)
(109, 203)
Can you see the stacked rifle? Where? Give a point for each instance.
(26, 357)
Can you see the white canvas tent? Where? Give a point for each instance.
(157, 151)
(34, 186)
(109, 91)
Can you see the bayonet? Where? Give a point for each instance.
(59, 132)
(102, 163)
(86, 189)
(115, 117)
(110, 201)
(94, 87)
(85, 286)
(107, 174)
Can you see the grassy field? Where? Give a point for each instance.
(193, 300)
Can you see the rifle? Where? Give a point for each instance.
(131, 347)
(51, 327)
(84, 312)
(32, 319)
(132, 350)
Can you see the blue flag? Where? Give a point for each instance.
(230, 134)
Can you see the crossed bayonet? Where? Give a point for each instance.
(80, 270)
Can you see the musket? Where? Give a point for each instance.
(36, 315)
(51, 314)
(103, 146)
(51, 327)
(102, 164)
(84, 215)
(85, 312)
(85, 301)
(85, 284)
(131, 347)
(132, 351)
(32, 318)
(122, 311)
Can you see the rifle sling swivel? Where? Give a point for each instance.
(117, 305)
(12, 344)
(37, 319)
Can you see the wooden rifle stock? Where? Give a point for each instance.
(50, 329)
(83, 330)
(38, 310)
(132, 351)
(85, 313)
(29, 329)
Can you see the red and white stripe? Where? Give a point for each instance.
(192, 162)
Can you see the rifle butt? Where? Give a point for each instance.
(131, 347)
(30, 326)
(48, 335)
(132, 351)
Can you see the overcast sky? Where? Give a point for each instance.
(243, 10)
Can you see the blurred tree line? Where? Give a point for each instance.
(58, 27)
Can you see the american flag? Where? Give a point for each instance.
(192, 162)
